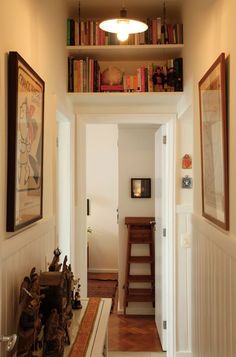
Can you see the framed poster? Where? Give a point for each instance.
(25, 144)
(214, 153)
(140, 188)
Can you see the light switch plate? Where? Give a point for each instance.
(185, 240)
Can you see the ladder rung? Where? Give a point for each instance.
(140, 241)
(140, 298)
(140, 259)
(133, 291)
(141, 278)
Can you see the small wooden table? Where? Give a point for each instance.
(98, 343)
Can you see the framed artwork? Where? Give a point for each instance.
(187, 182)
(25, 144)
(140, 188)
(214, 155)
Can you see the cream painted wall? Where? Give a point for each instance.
(184, 145)
(102, 190)
(208, 32)
(28, 27)
(136, 159)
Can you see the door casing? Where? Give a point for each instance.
(80, 244)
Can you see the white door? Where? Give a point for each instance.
(160, 236)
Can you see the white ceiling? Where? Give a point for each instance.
(101, 9)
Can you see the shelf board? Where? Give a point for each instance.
(127, 52)
(125, 99)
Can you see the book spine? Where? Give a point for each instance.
(139, 79)
(76, 33)
(72, 32)
(79, 76)
(159, 38)
(68, 32)
(142, 79)
(178, 67)
(154, 31)
(82, 33)
(70, 74)
(75, 75)
(135, 82)
(91, 33)
(150, 83)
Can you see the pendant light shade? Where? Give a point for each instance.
(123, 26)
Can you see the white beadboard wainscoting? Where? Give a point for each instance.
(33, 247)
(183, 280)
(214, 290)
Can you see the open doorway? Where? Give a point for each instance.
(169, 122)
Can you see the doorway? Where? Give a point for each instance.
(169, 122)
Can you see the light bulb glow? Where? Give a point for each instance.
(113, 25)
(123, 30)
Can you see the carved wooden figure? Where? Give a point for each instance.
(30, 320)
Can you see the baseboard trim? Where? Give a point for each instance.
(102, 270)
(184, 354)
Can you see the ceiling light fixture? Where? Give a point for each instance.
(123, 26)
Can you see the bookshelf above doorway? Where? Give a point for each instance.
(164, 101)
(127, 52)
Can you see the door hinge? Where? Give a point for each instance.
(164, 325)
(57, 142)
(164, 232)
(164, 139)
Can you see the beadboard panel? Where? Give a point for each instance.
(214, 290)
(183, 281)
(18, 257)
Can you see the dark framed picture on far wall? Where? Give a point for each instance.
(140, 188)
(25, 144)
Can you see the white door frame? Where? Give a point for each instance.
(61, 118)
(80, 229)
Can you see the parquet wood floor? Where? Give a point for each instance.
(130, 333)
(133, 333)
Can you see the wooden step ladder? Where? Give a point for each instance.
(140, 231)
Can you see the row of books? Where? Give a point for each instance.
(84, 75)
(156, 78)
(88, 33)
